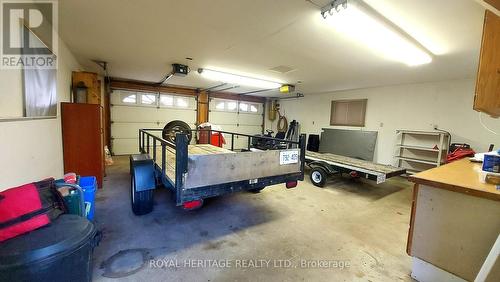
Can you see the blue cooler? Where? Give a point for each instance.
(89, 187)
(491, 162)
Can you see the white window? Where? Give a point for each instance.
(148, 99)
(244, 107)
(348, 112)
(166, 100)
(231, 106)
(129, 98)
(181, 102)
(220, 106)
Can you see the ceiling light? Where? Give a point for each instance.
(359, 21)
(238, 79)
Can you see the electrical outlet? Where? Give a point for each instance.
(381, 124)
(435, 126)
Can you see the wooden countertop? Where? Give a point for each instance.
(460, 176)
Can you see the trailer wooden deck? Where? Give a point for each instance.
(198, 149)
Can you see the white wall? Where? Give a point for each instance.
(11, 102)
(31, 150)
(414, 106)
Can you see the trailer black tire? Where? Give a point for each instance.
(256, 190)
(174, 127)
(318, 176)
(142, 201)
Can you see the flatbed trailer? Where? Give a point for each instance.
(194, 172)
(325, 164)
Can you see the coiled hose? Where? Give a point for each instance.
(282, 123)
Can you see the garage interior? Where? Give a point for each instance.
(299, 140)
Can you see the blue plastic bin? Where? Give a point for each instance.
(89, 187)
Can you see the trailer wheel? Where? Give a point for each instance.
(256, 190)
(318, 176)
(142, 201)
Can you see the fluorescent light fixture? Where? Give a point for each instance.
(362, 23)
(238, 79)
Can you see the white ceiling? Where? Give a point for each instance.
(141, 39)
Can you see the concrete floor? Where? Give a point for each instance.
(260, 237)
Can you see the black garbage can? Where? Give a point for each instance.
(61, 251)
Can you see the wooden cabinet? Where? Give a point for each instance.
(487, 98)
(82, 136)
(454, 223)
(494, 3)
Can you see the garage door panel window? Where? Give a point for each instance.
(171, 101)
(249, 108)
(148, 99)
(232, 106)
(166, 101)
(181, 102)
(128, 98)
(220, 106)
(243, 107)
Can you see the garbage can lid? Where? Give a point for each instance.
(63, 235)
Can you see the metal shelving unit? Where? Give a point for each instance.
(421, 150)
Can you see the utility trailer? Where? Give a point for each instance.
(325, 164)
(196, 172)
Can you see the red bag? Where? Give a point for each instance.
(460, 153)
(28, 207)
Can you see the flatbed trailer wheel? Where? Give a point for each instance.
(142, 201)
(318, 176)
(256, 190)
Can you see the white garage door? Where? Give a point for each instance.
(239, 117)
(131, 111)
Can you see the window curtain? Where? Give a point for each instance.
(40, 97)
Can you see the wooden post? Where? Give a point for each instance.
(202, 114)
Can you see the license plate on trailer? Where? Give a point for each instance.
(289, 157)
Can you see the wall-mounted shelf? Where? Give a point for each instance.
(418, 132)
(417, 161)
(418, 148)
(421, 150)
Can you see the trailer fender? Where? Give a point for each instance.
(328, 168)
(142, 168)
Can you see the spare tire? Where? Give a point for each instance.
(174, 127)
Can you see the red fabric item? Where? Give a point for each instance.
(459, 153)
(217, 139)
(16, 202)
